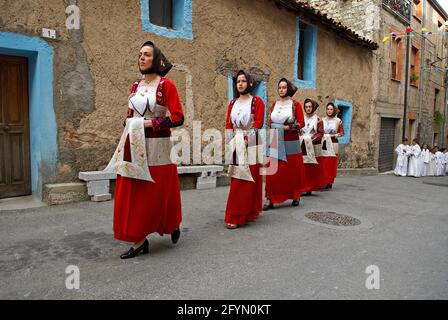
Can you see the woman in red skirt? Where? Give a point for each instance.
(245, 116)
(144, 207)
(311, 137)
(285, 118)
(329, 159)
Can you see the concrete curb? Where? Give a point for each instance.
(345, 172)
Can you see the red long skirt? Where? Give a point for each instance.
(329, 167)
(288, 182)
(143, 207)
(245, 198)
(313, 181)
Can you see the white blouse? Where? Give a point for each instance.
(330, 125)
(240, 114)
(144, 97)
(282, 112)
(310, 124)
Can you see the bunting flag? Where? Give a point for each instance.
(409, 32)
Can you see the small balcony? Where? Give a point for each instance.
(400, 8)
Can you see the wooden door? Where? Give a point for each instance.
(387, 145)
(15, 173)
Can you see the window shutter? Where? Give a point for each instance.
(161, 13)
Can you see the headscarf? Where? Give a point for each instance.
(160, 64)
(313, 103)
(292, 89)
(335, 110)
(251, 83)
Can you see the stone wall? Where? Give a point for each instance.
(369, 19)
(358, 15)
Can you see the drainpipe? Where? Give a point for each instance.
(445, 106)
(406, 83)
(423, 76)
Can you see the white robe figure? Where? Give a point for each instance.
(446, 163)
(432, 165)
(414, 168)
(440, 163)
(421, 164)
(426, 157)
(403, 152)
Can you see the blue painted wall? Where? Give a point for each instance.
(347, 110)
(43, 129)
(309, 81)
(182, 20)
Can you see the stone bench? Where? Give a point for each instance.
(98, 182)
(207, 179)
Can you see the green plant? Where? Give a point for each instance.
(414, 77)
(439, 119)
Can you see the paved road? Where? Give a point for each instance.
(280, 256)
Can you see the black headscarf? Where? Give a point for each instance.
(160, 63)
(313, 103)
(251, 83)
(292, 89)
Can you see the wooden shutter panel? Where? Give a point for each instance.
(161, 13)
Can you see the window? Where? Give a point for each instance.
(345, 114)
(168, 18)
(161, 13)
(436, 99)
(396, 52)
(415, 65)
(439, 42)
(305, 55)
(435, 139)
(417, 9)
(411, 130)
(301, 53)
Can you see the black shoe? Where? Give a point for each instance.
(267, 207)
(131, 253)
(175, 236)
(295, 203)
(330, 186)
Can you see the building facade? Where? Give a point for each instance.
(68, 92)
(385, 21)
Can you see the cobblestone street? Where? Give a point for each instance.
(403, 231)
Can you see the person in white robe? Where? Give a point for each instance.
(403, 152)
(425, 158)
(446, 161)
(414, 168)
(432, 163)
(440, 163)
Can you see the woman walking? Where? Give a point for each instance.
(144, 207)
(245, 116)
(311, 138)
(333, 129)
(285, 119)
